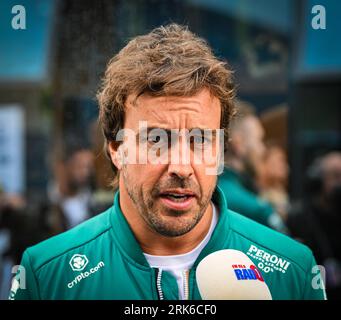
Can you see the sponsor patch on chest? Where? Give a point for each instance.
(268, 262)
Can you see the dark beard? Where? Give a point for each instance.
(151, 217)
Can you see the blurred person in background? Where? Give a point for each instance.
(10, 205)
(70, 192)
(243, 162)
(20, 227)
(273, 179)
(316, 221)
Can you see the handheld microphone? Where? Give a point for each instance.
(230, 275)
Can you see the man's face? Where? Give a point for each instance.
(253, 140)
(80, 168)
(331, 167)
(276, 165)
(171, 197)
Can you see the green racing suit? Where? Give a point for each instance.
(101, 259)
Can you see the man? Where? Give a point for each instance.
(167, 215)
(316, 221)
(17, 220)
(243, 161)
(273, 179)
(71, 192)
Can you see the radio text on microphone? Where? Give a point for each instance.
(243, 273)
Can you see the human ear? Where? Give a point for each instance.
(114, 151)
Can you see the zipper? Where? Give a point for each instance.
(158, 283)
(185, 274)
(186, 284)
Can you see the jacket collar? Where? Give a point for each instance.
(221, 232)
(127, 242)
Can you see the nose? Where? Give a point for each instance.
(180, 164)
(182, 171)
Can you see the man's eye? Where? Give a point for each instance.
(156, 139)
(200, 139)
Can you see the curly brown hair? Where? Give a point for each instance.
(168, 61)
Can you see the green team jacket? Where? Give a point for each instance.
(101, 259)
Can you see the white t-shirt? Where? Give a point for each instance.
(181, 263)
(75, 208)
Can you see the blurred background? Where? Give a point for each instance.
(53, 173)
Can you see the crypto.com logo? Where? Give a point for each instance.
(172, 146)
(78, 262)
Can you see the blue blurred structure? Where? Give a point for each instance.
(274, 15)
(315, 101)
(319, 50)
(24, 54)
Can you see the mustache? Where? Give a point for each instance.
(176, 182)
